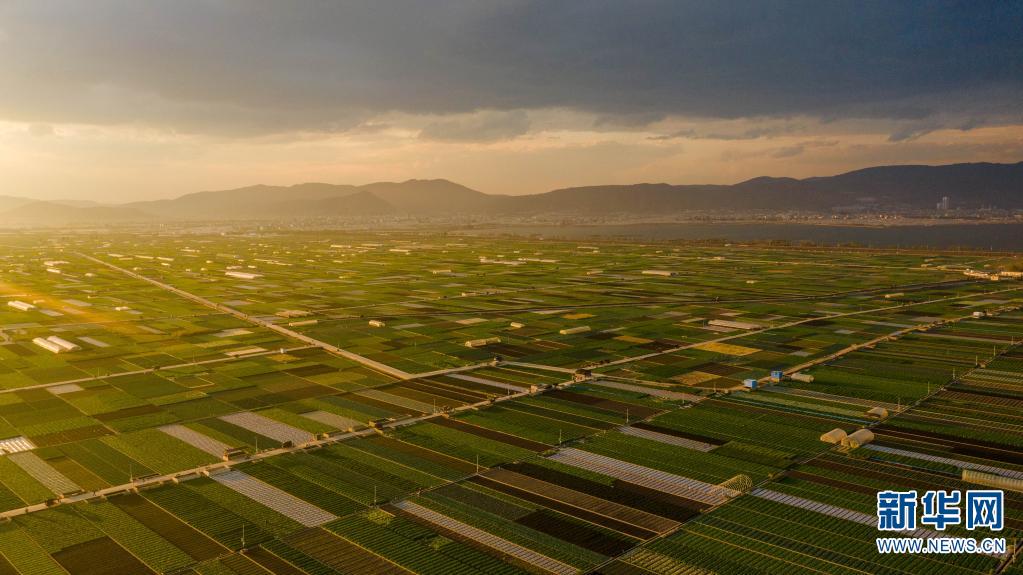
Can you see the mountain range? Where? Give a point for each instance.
(909, 186)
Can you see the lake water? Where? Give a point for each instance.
(1001, 237)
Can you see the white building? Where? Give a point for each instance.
(482, 342)
(20, 305)
(48, 345)
(63, 343)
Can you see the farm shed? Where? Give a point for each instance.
(63, 343)
(834, 437)
(877, 412)
(582, 374)
(482, 342)
(992, 480)
(48, 345)
(858, 438)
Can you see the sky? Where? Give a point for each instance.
(118, 100)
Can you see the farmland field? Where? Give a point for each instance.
(432, 403)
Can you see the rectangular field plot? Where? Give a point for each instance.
(662, 481)
(492, 541)
(268, 427)
(280, 501)
(196, 439)
(44, 473)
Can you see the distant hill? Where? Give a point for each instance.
(352, 205)
(11, 202)
(78, 203)
(56, 214)
(415, 197)
(967, 185)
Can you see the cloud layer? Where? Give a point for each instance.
(122, 99)
(263, 66)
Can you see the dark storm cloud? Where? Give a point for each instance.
(249, 66)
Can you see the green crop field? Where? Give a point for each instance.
(371, 402)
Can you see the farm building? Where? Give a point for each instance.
(858, 438)
(20, 305)
(48, 345)
(574, 330)
(376, 323)
(992, 480)
(241, 275)
(801, 377)
(665, 273)
(981, 275)
(482, 342)
(750, 384)
(834, 437)
(516, 325)
(894, 295)
(877, 412)
(63, 343)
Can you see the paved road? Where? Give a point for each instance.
(155, 369)
(196, 472)
(802, 321)
(375, 365)
(670, 300)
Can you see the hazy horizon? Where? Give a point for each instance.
(117, 101)
(127, 200)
